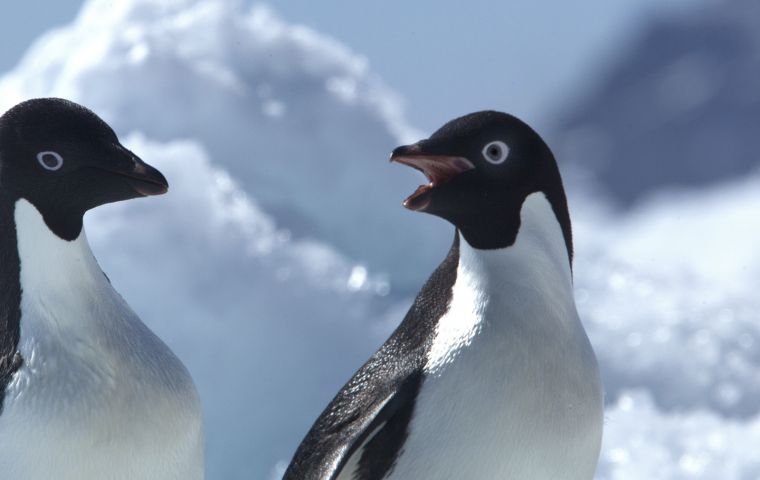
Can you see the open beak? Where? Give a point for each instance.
(438, 169)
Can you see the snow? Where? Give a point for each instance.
(669, 295)
(642, 442)
(255, 315)
(281, 258)
(243, 82)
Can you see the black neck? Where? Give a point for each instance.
(558, 201)
(483, 233)
(10, 295)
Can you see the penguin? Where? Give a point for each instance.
(87, 391)
(490, 375)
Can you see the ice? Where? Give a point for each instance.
(669, 296)
(642, 442)
(298, 119)
(259, 319)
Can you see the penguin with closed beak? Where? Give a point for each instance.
(87, 391)
(490, 375)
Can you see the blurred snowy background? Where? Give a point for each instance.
(281, 257)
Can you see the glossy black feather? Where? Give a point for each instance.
(10, 298)
(395, 373)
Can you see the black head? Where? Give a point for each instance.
(65, 160)
(481, 169)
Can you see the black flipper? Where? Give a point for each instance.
(370, 415)
(10, 298)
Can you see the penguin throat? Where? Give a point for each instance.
(508, 284)
(51, 266)
(65, 221)
(536, 232)
(537, 215)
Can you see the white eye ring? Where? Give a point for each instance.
(496, 152)
(44, 159)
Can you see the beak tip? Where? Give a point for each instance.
(150, 181)
(405, 150)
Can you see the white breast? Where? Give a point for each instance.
(512, 387)
(99, 395)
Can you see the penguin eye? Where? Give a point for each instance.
(50, 160)
(496, 152)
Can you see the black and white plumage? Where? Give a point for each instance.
(490, 375)
(87, 391)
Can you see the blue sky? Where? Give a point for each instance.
(447, 58)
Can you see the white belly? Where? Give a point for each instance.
(68, 416)
(505, 409)
(94, 440)
(99, 396)
(512, 388)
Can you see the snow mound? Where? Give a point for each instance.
(295, 117)
(669, 297)
(642, 442)
(258, 318)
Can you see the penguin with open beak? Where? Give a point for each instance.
(490, 375)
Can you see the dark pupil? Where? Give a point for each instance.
(49, 160)
(494, 152)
